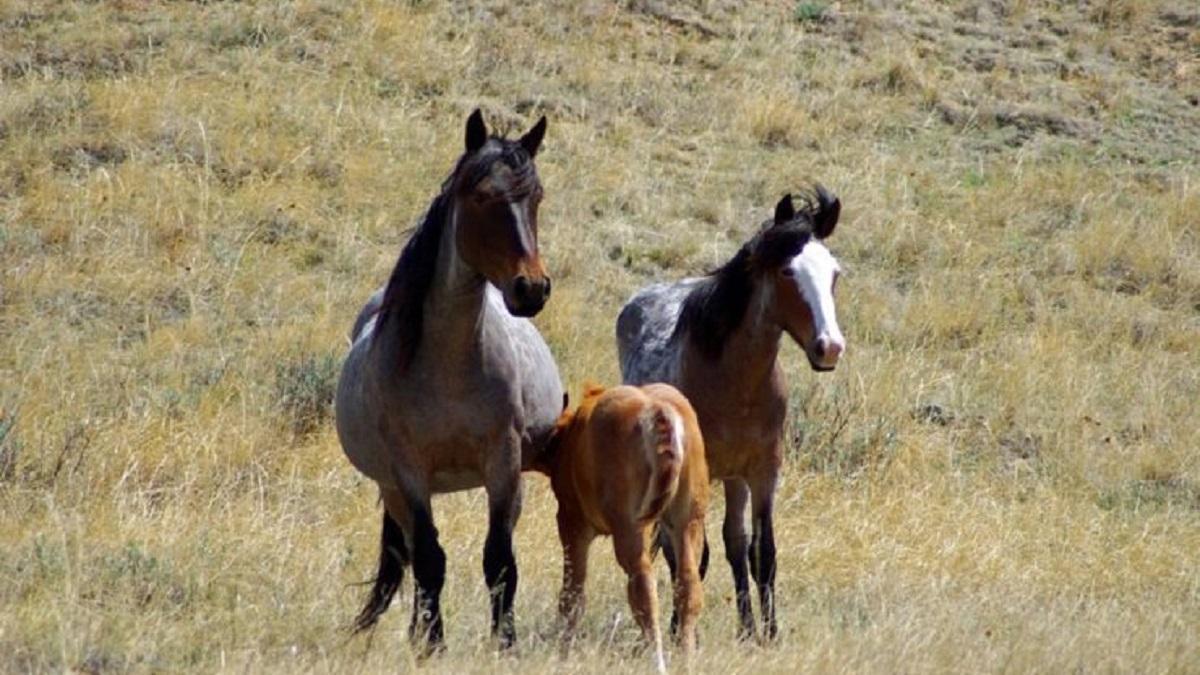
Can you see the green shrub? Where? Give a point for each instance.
(304, 391)
(811, 11)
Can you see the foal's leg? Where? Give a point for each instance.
(576, 538)
(632, 548)
(737, 549)
(499, 563)
(689, 594)
(762, 549)
(663, 539)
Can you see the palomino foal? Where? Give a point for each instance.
(445, 387)
(717, 338)
(626, 459)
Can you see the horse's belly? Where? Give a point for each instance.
(453, 480)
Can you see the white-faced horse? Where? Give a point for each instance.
(717, 339)
(446, 388)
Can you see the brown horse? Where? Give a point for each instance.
(628, 459)
(445, 387)
(717, 338)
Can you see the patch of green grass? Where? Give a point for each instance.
(304, 389)
(810, 12)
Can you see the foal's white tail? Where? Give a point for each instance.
(662, 439)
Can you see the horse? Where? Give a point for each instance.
(626, 460)
(717, 339)
(447, 385)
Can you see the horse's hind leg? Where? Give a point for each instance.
(632, 549)
(662, 540)
(393, 558)
(499, 563)
(689, 595)
(576, 537)
(737, 551)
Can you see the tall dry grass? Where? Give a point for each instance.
(1001, 476)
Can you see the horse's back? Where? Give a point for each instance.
(367, 313)
(644, 330)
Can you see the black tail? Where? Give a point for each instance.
(393, 556)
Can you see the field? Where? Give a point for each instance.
(1001, 476)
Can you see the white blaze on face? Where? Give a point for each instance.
(524, 232)
(814, 270)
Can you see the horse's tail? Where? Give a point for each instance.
(393, 556)
(662, 432)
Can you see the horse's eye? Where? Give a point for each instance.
(787, 271)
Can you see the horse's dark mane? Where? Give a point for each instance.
(412, 277)
(716, 307)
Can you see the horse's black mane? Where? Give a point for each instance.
(412, 277)
(715, 308)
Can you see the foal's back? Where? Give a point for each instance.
(625, 452)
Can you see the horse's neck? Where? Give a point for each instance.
(747, 361)
(452, 310)
(455, 304)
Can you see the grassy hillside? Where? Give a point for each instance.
(1002, 475)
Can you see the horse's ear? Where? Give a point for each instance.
(829, 207)
(532, 140)
(477, 133)
(785, 210)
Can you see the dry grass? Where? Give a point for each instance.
(1002, 476)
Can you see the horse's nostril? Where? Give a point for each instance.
(521, 285)
(547, 287)
(819, 349)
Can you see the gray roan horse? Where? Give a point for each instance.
(445, 388)
(717, 339)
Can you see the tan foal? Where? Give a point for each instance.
(626, 459)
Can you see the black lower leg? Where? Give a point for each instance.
(393, 557)
(737, 544)
(736, 554)
(429, 569)
(500, 572)
(762, 566)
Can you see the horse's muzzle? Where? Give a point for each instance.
(528, 296)
(825, 353)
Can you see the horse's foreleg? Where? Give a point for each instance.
(429, 569)
(737, 548)
(762, 550)
(499, 563)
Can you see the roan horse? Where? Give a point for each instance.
(628, 459)
(717, 339)
(445, 388)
